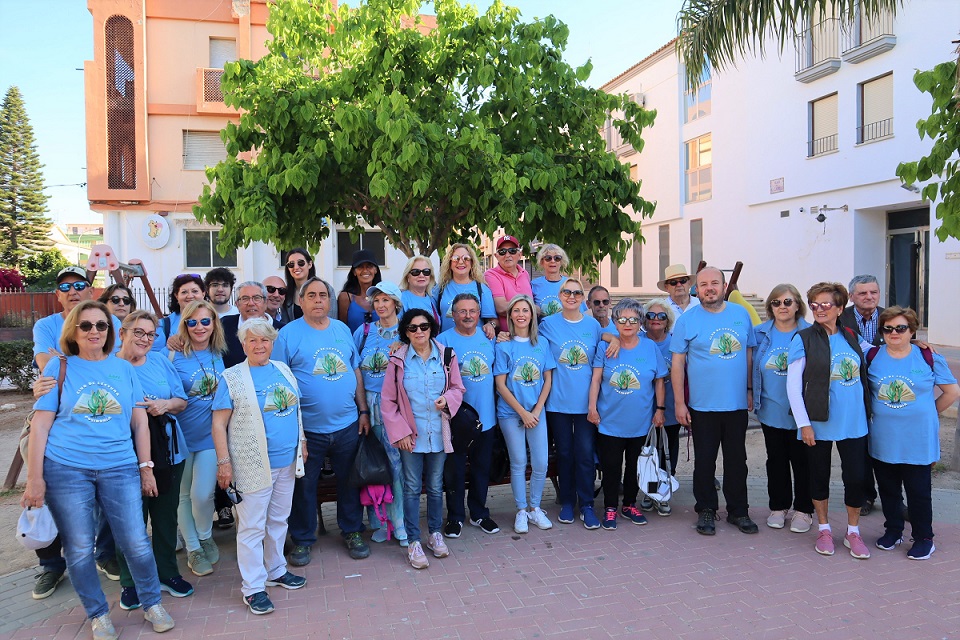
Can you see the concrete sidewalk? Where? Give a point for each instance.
(662, 579)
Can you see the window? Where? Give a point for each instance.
(614, 273)
(121, 119)
(864, 38)
(202, 251)
(637, 261)
(202, 149)
(876, 109)
(372, 241)
(698, 104)
(664, 232)
(823, 126)
(698, 167)
(696, 243)
(222, 51)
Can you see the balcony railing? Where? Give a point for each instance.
(820, 146)
(209, 94)
(875, 130)
(863, 39)
(818, 50)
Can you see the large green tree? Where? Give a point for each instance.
(431, 134)
(23, 205)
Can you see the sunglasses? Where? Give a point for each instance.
(655, 315)
(140, 333)
(628, 320)
(417, 272)
(192, 322)
(816, 306)
(461, 259)
(117, 300)
(900, 328)
(80, 285)
(296, 263)
(675, 281)
(601, 303)
(281, 290)
(552, 259)
(572, 293)
(86, 326)
(787, 302)
(246, 299)
(423, 326)
(512, 251)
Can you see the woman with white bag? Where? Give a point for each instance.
(622, 394)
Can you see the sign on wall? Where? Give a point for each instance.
(156, 232)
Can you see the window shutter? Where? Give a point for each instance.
(825, 117)
(221, 52)
(878, 100)
(202, 149)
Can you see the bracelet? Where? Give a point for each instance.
(223, 461)
(661, 408)
(749, 388)
(365, 412)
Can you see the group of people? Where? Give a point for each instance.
(246, 390)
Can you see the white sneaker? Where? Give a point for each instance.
(539, 518)
(777, 519)
(801, 522)
(520, 524)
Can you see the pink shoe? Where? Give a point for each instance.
(825, 543)
(858, 549)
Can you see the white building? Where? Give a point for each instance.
(788, 164)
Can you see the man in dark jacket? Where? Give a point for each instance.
(251, 301)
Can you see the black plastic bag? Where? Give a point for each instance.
(160, 445)
(371, 464)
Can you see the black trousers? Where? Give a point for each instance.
(672, 432)
(916, 481)
(713, 431)
(786, 452)
(852, 458)
(616, 453)
(454, 479)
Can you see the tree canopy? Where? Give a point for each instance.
(434, 134)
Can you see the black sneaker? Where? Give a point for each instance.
(176, 586)
(744, 523)
(356, 547)
(225, 518)
(109, 568)
(129, 600)
(867, 507)
(706, 522)
(453, 529)
(288, 581)
(46, 584)
(259, 603)
(487, 525)
(889, 540)
(300, 556)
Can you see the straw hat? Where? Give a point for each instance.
(671, 272)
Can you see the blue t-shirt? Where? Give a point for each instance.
(451, 290)
(278, 405)
(199, 376)
(423, 382)
(160, 381)
(410, 300)
(47, 332)
(774, 404)
(716, 347)
(324, 363)
(612, 330)
(573, 345)
(847, 418)
(92, 426)
(524, 365)
(905, 428)
(475, 355)
(670, 413)
(375, 355)
(160, 344)
(627, 397)
(546, 295)
(356, 313)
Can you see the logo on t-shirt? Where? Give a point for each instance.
(97, 405)
(624, 380)
(895, 392)
(845, 370)
(279, 399)
(375, 364)
(725, 344)
(204, 386)
(777, 362)
(527, 373)
(574, 355)
(551, 307)
(474, 368)
(329, 364)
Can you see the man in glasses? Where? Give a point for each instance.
(676, 282)
(251, 301)
(276, 295)
(219, 283)
(508, 278)
(598, 300)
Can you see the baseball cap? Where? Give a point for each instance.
(36, 528)
(507, 239)
(76, 271)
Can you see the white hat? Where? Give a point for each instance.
(671, 272)
(36, 528)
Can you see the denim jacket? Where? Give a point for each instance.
(764, 340)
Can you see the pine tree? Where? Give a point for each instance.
(23, 204)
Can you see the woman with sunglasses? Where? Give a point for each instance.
(905, 429)
(119, 300)
(785, 317)
(416, 283)
(553, 261)
(573, 339)
(523, 373)
(830, 401)
(81, 456)
(508, 279)
(657, 321)
(627, 397)
(353, 308)
(299, 268)
(199, 367)
(186, 288)
(416, 404)
(460, 273)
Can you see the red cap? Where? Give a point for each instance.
(507, 239)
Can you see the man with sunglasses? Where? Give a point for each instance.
(276, 295)
(676, 282)
(598, 300)
(508, 279)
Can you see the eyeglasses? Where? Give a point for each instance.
(192, 322)
(552, 259)
(601, 303)
(461, 259)
(572, 293)
(900, 328)
(281, 290)
(86, 326)
(675, 281)
(296, 263)
(467, 312)
(628, 320)
(656, 315)
(118, 300)
(140, 333)
(512, 251)
(816, 306)
(218, 285)
(787, 302)
(246, 299)
(423, 326)
(79, 285)
(417, 272)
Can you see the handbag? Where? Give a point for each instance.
(25, 431)
(371, 464)
(465, 425)
(655, 482)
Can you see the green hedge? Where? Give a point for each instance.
(16, 363)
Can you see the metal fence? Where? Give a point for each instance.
(20, 309)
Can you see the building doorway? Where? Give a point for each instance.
(908, 260)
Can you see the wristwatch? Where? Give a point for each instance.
(148, 464)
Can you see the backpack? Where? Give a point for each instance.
(376, 496)
(926, 353)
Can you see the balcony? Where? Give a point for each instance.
(821, 146)
(209, 95)
(864, 38)
(875, 131)
(818, 51)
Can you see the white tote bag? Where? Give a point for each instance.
(655, 483)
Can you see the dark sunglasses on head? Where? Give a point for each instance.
(417, 272)
(192, 322)
(86, 326)
(117, 300)
(296, 263)
(816, 306)
(601, 303)
(787, 302)
(675, 281)
(79, 285)
(656, 315)
(512, 251)
(552, 259)
(423, 326)
(900, 328)
(281, 290)
(628, 320)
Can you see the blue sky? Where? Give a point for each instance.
(44, 42)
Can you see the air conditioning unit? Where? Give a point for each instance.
(638, 98)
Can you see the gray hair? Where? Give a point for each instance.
(553, 248)
(862, 279)
(257, 326)
(252, 283)
(303, 288)
(665, 304)
(596, 288)
(627, 304)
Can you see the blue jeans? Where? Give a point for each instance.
(574, 439)
(196, 508)
(341, 446)
(51, 556)
(73, 496)
(416, 467)
(517, 438)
